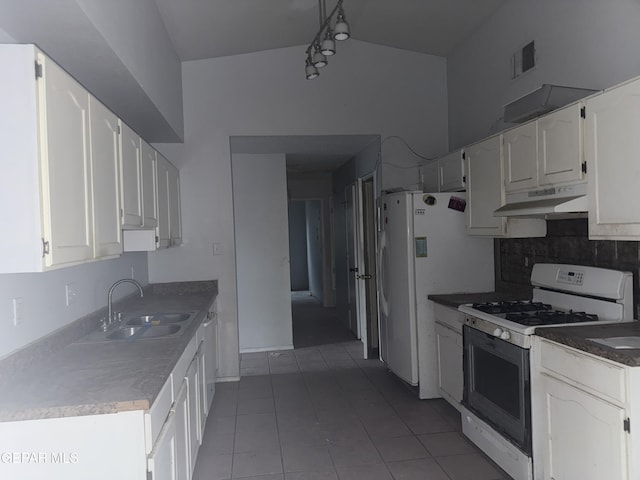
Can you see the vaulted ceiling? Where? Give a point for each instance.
(214, 28)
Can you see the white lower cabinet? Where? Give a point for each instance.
(162, 461)
(193, 405)
(581, 406)
(160, 443)
(449, 348)
(182, 449)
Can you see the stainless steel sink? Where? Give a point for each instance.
(123, 333)
(140, 326)
(159, 319)
(160, 331)
(619, 343)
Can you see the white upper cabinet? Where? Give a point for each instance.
(163, 232)
(45, 186)
(561, 146)
(175, 216)
(612, 148)
(430, 176)
(149, 187)
(521, 157)
(546, 152)
(451, 175)
(131, 177)
(65, 166)
(485, 194)
(105, 162)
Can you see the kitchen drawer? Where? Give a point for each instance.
(156, 415)
(448, 316)
(585, 371)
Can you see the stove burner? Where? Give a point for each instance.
(550, 317)
(511, 307)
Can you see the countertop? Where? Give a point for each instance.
(454, 300)
(577, 337)
(107, 377)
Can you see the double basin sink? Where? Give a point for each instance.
(143, 326)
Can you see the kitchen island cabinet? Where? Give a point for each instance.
(581, 410)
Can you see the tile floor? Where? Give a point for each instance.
(322, 413)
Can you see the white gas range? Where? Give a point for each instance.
(496, 411)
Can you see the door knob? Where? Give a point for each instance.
(364, 277)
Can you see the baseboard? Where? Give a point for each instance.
(266, 349)
(227, 379)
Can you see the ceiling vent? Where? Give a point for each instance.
(542, 100)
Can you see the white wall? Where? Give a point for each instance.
(5, 37)
(262, 252)
(136, 33)
(44, 296)
(313, 212)
(367, 89)
(298, 245)
(586, 43)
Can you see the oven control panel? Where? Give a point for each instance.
(571, 277)
(498, 331)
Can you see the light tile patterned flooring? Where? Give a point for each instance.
(323, 413)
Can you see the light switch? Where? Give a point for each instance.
(18, 311)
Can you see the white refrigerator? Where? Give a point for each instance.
(424, 250)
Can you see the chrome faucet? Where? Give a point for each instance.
(124, 280)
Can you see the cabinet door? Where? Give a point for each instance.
(149, 187)
(450, 378)
(181, 409)
(193, 405)
(430, 177)
(175, 215)
(161, 462)
(210, 357)
(130, 177)
(612, 149)
(560, 146)
(65, 166)
(584, 435)
(521, 157)
(203, 404)
(105, 163)
(451, 172)
(484, 187)
(162, 181)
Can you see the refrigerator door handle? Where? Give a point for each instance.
(382, 252)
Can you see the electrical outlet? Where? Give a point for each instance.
(526, 261)
(216, 248)
(18, 311)
(71, 294)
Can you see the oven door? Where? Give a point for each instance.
(496, 385)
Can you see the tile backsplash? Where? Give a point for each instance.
(567, 241)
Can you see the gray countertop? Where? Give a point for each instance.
(107, 377)
(578, 337)
(454, 300)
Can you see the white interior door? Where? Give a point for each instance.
(361, 294)
(352, 264)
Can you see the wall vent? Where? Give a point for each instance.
(523, 60)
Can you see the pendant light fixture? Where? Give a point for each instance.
(323, 44)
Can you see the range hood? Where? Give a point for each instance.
(548, 202)
(543, 100)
